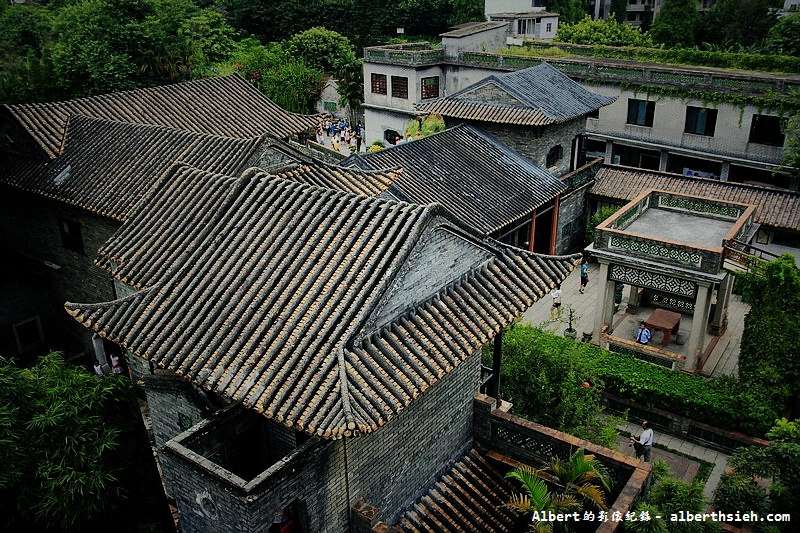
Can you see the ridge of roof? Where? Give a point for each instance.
(225, 106)
(264, 308)
(545, 95)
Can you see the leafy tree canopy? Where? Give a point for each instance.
(676, 24)
(771, 337)
(62, 432)
(320, 49)
(570, 11)
(779, 462)
(784, 37)
(737, 24)
(606, 32)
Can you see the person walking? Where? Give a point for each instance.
(584, 275)
(643, 446)
(643, 333)
(555, 308)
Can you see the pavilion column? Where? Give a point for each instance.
(533, 231)
(605, 302)
(702, 306)
(719, 322)
(554, 228)
(633, 299)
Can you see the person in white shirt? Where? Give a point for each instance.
(643, 334)
(555, 294)
(643, 446)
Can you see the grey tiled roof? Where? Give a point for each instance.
(274, 303)
(535, 96)
(139, 256)
(227, 106)
(774, 207)
(366, 182)
(469, 497)
(107, 167)
(474, 176)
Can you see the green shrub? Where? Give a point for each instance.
(539, 366)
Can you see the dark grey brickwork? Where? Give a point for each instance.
(452, 256)
(172, 401)
(387, 469)
(29, 225)
(534, 142)
(572, 220)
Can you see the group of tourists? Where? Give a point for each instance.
(340, 133)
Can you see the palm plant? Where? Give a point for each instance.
(582, 481)
(536, 496)
(582, 477)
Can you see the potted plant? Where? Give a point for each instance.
(572, 320)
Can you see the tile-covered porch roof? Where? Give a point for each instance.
(474, 176)
(776, 208)
(535, 96)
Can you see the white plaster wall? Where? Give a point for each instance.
(731, 135)
(507, 6)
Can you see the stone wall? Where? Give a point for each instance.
(572, 209)
(534, 143)
(388, 469)
(174, 403)
(29, 224)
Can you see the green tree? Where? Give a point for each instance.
(320, 49)
(737, 24)
(619, 10)
(536, 496)
(596, 219)
(606, 32)
(770, 347)
(784, 37)
(63, 439)
(538, 367)
(676, 24)
(570, 11)
(779, 462)
(579, 482)
(466, 11)
(209, 37)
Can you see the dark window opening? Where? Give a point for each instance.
(430, 87)
(700, 120)
(767, 129)
(28, 335)
(71, 238)
(391, 136)
(554, 155)
(378, 83)
(641, 112)
(399, 87)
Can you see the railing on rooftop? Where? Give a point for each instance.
(583, 174)
(411, 54)
(593, 68)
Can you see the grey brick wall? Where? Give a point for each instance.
(452, 256)
(172, 401)
(387, 469)
(534, 142)
(390, 469)
(572, 220)
(29, 225)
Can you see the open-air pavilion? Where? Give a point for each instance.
(669, 250)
